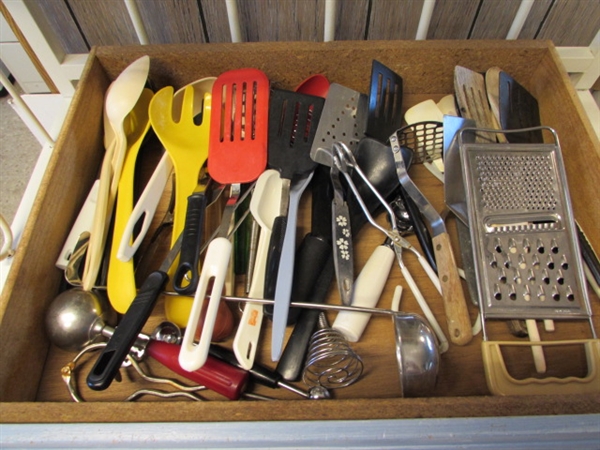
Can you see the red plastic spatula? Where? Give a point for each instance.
(237, 154)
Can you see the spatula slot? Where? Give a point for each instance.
(238, 111)
(387, 99)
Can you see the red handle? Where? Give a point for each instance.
(215, 374)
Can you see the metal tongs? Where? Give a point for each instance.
(344, 160)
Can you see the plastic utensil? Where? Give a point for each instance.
(264, 206)
(186, 142)
(83, 224)
(283, 289)
(145, 209)
(293, 119)
(518, 108)
(112, 356)
(121, 97)
(150, 197)
(317, 85)
(120, 281)
(385, 102)
(237, 154)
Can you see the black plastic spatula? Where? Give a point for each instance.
(293, 120)
(518, 109)
(385, 102)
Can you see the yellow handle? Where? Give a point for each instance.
(121, 277)
(500, 382)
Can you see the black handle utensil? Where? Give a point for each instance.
(108, 363)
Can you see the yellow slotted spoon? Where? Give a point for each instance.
(120, 281)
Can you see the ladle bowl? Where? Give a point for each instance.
(417, 348)
(417, 355)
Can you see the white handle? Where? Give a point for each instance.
(193, 355)
(102, 216)
(430, 272)
(537, 350)
(246, 338)
(367, 289)
(83, 223)
(426, 310)
(145, 207)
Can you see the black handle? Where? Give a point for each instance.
(108, 363)
(420, 228)
(311, 258)
(273, 259)
(259, 373)
(292, 360)
(190, 245)
(589, 256)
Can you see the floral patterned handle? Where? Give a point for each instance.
(343, 255)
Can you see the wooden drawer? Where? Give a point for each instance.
(31, 389)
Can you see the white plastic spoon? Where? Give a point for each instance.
(121, 97)
(264, 207)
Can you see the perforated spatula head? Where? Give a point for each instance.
(344, 118)
(293, 120)
(385, 102)
(238, 136)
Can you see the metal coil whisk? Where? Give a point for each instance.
(331, 362)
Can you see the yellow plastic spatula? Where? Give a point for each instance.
(120, 282)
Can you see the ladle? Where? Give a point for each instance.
(121, 97)
(417, 349)
(264, 207)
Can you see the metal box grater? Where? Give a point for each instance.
(522, 229)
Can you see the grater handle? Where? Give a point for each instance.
(500, 382)
(455, 304)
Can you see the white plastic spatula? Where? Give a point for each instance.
(194, 350)
(264, 206)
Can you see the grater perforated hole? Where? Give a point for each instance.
(511, 182)
(502, 278)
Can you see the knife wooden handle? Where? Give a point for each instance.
(455, 305)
